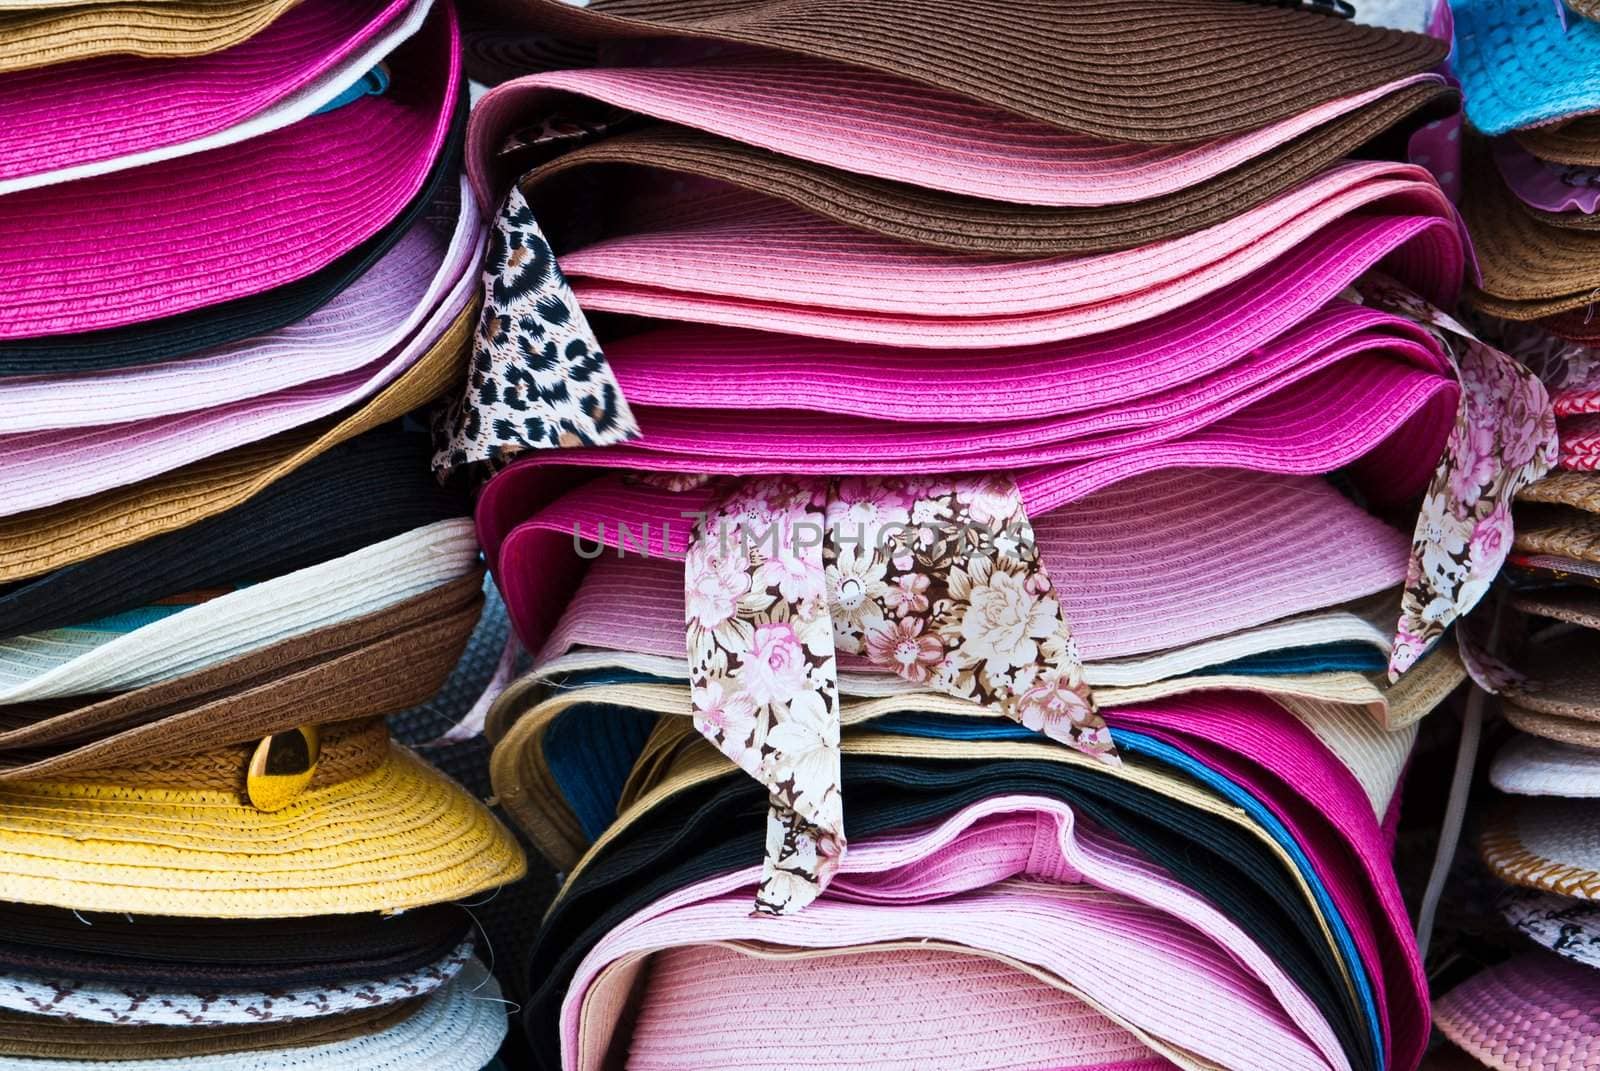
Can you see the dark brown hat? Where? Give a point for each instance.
(959, 222)
(1573, 142)
(1118, 69)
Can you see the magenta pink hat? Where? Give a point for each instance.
(1258, 745)
(42, 468)
(94, 116)
(739, 259)
(710, 1007)
(1157, 562)
(1140, 946)
(874, 123)
(183, 234)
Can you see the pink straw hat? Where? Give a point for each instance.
(177, 235)
(876, 124)
(101, 115)
(708, 1007)
(364, 321)
(43, 468)
(1011, 877)
(1150, 564)
(743, 260)
(1537, 1012)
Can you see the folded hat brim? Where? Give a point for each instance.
(1547, 844)
(1534, 1011)
(1575, 142)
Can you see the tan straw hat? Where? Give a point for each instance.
(37, 34)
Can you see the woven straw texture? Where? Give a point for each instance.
(1563, 677)
(401, 836)
(1578, 732)
(1560, 532)
(1533, 766)
(132, 1005)
(952, 221)
(1561, 924)
(1547, 844)
(1101, 67)
(1537, 1012)
(114, 114)
(459, 1028)
(43, 1036)
(153, 29)
(1576, 606)
(42, 540)
(1576, 142)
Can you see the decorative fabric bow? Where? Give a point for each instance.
(1504, 439)
(936, 580)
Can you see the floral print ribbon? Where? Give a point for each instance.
(539, 378)
(938, 581)
(1504, 439)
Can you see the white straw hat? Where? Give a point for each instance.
(1533, 766)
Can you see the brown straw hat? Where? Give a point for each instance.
(1574, 142)
(1580, 490)
(45, 539)
(1563, 677)
(51, 1037)
(1530, 268)
(377, 664)
(958, 222)
(46, 35)
(1116, 69)
(1575, 606)
(1578, 732)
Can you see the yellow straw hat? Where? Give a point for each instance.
(373, 828)
(45, 539)
(45, 33)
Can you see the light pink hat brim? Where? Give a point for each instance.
(184, 234)
(875, 124)
(1538, 1012)
(1182, 972)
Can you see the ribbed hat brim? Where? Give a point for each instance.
(952, 221)
(67, 662)
(55, 127)
(1563, 677)
(153, 29)
(1100, 67)
(1575, 606)
(1575, 142)
(401, 836)
(1578, 732)
(1532, 766)
(43, 540)
(1548, 844)
(459, 1028)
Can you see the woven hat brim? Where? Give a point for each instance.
(402, 836)
(1576, 489)
(1091, 66)
(156, 29)
(392, 674)
(459, 1028)
(1575, 606)
(1532, 766)
(1532, 1013)
(1559, 923)
(1563, 677)
(1529, 268)
(46, 1037)
(1576, 142)
(47, 539)
(1559, 532)
(1547, 844)
(959, 223)
(173, 337)
(374, 157)
(296, 522)
(1574, 731)
(81, 465)
(309, 64)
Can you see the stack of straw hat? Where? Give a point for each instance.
(1136, 324)
(237, 252)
